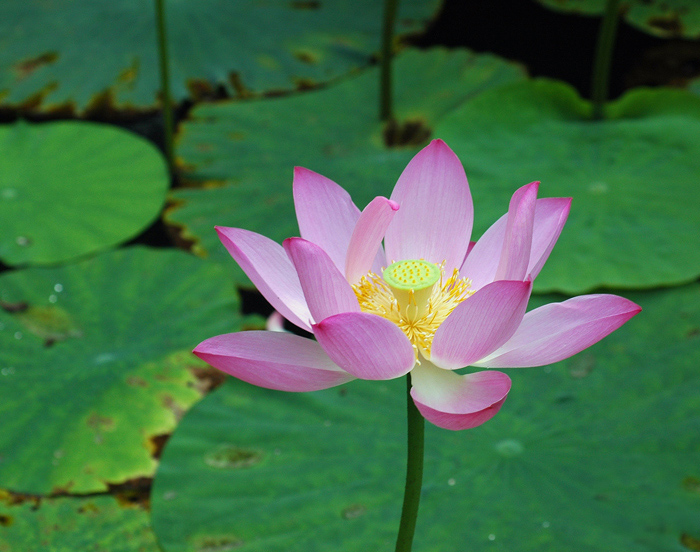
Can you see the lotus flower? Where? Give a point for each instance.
(427, 302)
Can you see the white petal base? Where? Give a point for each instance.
(453, 401)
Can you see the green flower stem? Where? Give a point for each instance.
(385, 94)
(165, 82)
(604, 50)
(414, 474)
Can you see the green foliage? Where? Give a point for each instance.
(595, 453)
(241, 46)
(254, 146)
(633, 178)
(69, 189)
(95, 364)
(92, 524)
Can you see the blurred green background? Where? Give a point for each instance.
(114, 437)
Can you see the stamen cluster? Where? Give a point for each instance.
(376, 297)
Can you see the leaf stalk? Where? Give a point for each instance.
(604, 51)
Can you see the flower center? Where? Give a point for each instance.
(412, 282)
(414, 295)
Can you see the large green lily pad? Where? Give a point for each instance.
(95, 364)
(598, 452)
(68, 189)
(667, 18)
(242, 47)
(92, 524)
(254, 146)
(633, 177)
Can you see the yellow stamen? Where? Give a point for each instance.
(421, 321)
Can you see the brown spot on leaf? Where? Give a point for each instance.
(6, 521)
(100, 424)
(156, 444)
(180, 233)
(103, 107)
(63, 490)
(307, 56)
(51, 323)
(200, 89)
(173, 406)
(101, 104)
(692, 484)
(305, 5)
(12, 308)
(304, 83)
(136, 381)
(667, 25)
(692, 332)
(89, 508)
(33, 103)
(409, 133)
(217, 544)
(690, 542)
(268, 62)
(14, 499)
(232, 458)
(133, 492)
(129, 75)
(236, 83)
(26, 67)
(208, 378)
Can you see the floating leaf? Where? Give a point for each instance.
(70, 189)
(92, 524)
(599, 452)
(633, 178)
(241, 47)
(667, 18)
(87, 410)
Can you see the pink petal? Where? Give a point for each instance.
(550, 216)
(559, 330)
(436, 215)
(482, 262)
(480, 324)
(452, 401)
(367, 237)
(326, 290)
(268, 267)
(325, 213)
(366, 345)
(275, 360)
(515, 254)
(379, 261)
